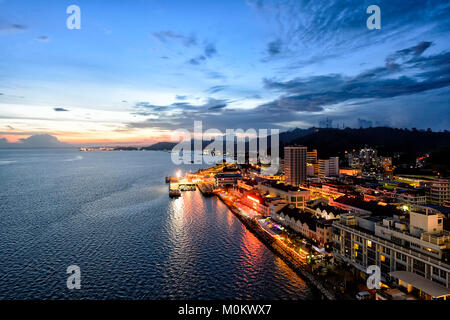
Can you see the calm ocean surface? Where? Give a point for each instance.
(110, 214)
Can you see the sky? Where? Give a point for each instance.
(138, 70)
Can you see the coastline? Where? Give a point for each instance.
(283, 253)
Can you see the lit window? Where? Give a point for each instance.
(369, 243)
(382, 258)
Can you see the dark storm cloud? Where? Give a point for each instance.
(179, 109)
(369, 95)
(419, 74)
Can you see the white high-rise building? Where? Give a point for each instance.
(295, 165)
(329, 167)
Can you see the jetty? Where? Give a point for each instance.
(207, 189)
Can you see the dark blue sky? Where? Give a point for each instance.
(138, 69)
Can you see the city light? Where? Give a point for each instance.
(253, 199)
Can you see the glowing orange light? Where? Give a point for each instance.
(251, 198)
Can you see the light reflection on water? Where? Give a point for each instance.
(109, 213)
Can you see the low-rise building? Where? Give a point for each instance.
(305, 223)
(296, 196)
(411, 197)
(224, 179)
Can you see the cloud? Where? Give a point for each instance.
(178, 97)
(166, 36)
(197, 60)
(274, 47)
(210, 50)
(398, 97)
(35, 141)
(215, 75)
(393, 61)
(12, 28)
(414, 73)
(216, 89)
(43, 39)
(42, 141)
(60, 109)
(311, 31)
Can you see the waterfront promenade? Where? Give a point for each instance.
(290, 257)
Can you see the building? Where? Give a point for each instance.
(254, 201)
(311, 156)
(411, 197)
(321, 209)
(295, 196)
(439, 191)
(415, 252)
(350, 171)
(368, 156)
(225, 179)
(295, 165)
(328, 167)
(305, 223)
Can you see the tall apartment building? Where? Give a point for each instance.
(312, 167)
(295, 165)
(311, 156)
(329, 167)
(440, 191)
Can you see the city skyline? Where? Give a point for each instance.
(134, 73)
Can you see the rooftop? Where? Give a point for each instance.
(228, 175)
(372, 206)
(429, 287)
(283, 187)
(302, 216)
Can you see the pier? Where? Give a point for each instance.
(177, 184)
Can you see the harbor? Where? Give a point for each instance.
(268, 236)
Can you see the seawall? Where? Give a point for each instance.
(284, 253)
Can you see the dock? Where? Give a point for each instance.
(176, 185)
(207, 189)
